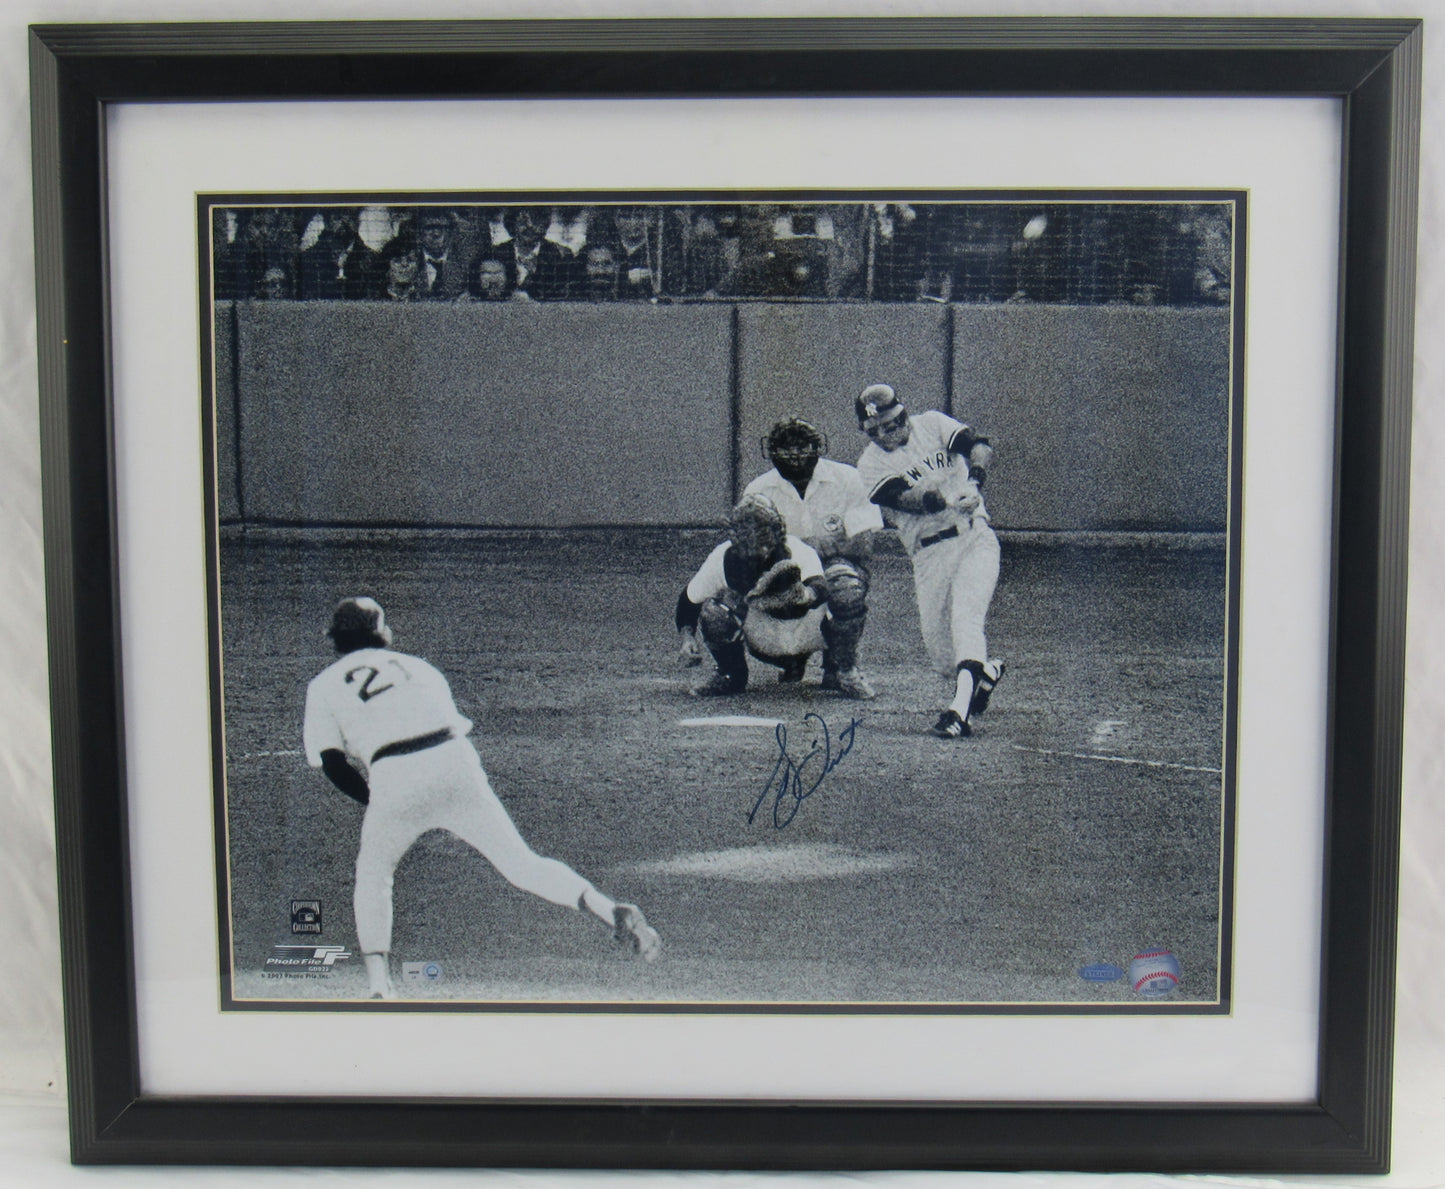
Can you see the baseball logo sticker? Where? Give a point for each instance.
(306, 916)
(1154, 973)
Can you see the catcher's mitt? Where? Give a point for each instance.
(780, 588)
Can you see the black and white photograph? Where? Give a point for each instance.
(787, 602)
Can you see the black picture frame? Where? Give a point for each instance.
(78, 71)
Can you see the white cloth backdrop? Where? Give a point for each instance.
(32, 1117)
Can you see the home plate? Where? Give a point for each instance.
(729, 720)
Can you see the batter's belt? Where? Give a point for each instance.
(933, 539)
(404, 747)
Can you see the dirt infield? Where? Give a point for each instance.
(1080, 825)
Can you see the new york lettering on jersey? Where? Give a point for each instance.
(938, 462)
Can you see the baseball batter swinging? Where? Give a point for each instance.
(384, 728)
(929, 468)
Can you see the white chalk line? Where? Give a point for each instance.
(265, 755)
(729, 720)
(1086, 755)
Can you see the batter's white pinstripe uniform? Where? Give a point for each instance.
(954, 552)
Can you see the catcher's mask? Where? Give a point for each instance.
(359, 623)
(757, 529)
(794, 447)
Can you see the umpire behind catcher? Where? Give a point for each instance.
(825, 503)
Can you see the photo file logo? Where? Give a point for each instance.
(307, 957)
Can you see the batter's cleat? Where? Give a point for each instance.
(951, 726)
(849, 684)
(632, 930)
(793, 670)
(720, 685)
(985, 677)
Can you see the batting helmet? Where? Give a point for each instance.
(359, 623)
(757, 529)
(794, 447)
(877, 404)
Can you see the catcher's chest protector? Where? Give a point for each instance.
(742, 571)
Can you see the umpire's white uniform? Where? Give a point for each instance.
(835, 507)
(394, 718)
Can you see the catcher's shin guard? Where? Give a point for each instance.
(732, 661)
(847, 615)
(721, 629)
(720, 621)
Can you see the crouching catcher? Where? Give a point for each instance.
(761, 592)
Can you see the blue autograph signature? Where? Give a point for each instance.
(791, 783)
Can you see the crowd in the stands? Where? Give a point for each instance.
(1141, 253)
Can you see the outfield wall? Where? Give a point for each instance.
(557, 415)
(1105, 417)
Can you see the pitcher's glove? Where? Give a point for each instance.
(780, 589)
